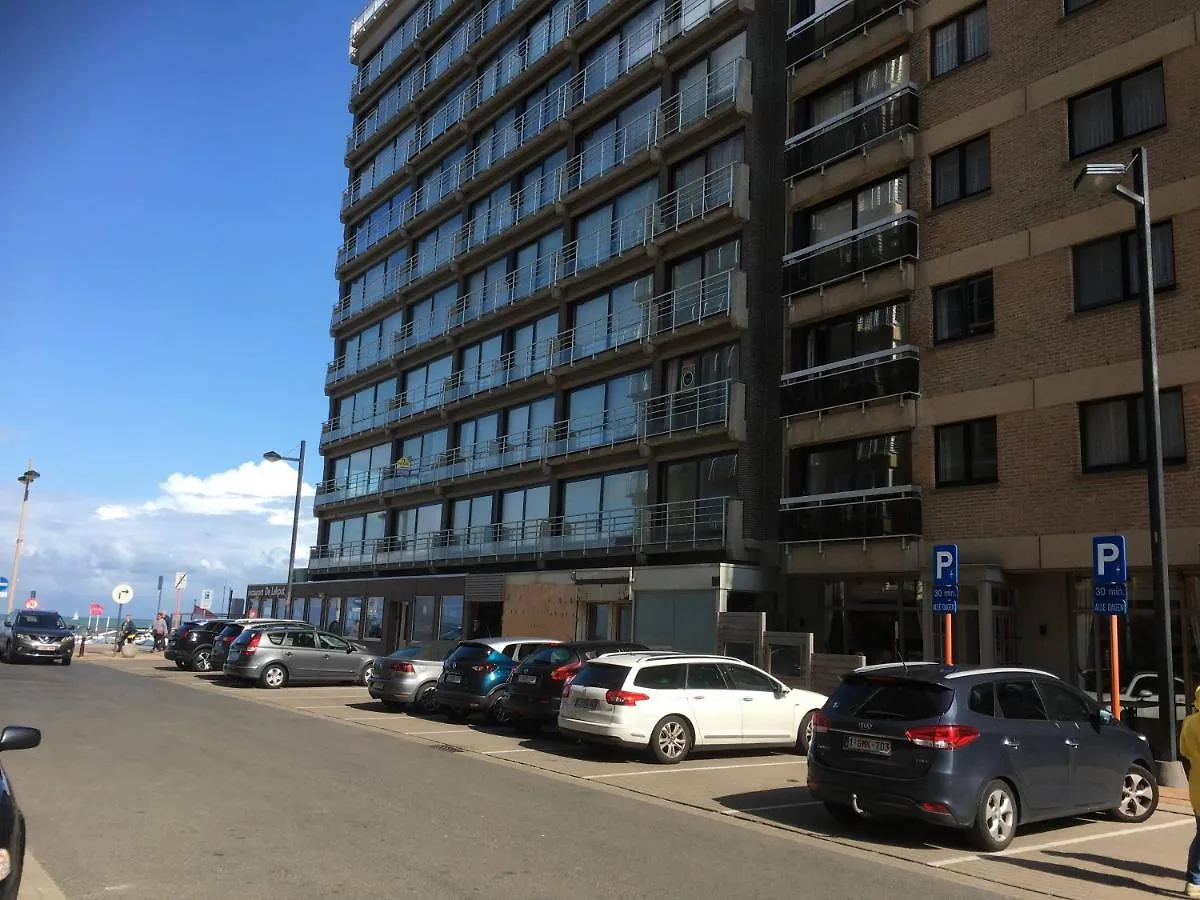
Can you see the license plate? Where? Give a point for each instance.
(587, 703)
(868, 745)
(47, 647)
(527, 679)
(453, 679)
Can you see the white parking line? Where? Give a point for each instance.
(328, 706)
(514, 750)
(756, 809)
(444, 731)
(674, 771)
(1034, 848)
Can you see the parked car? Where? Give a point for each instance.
(981, 749)
(278, 655)
(12, 823)
(36, 634)
(190, 647)
(408, 678)
(476, 673)
(232, 630)
(536, 687)
(671, 703)
(1139, 693)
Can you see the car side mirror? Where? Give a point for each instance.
(1144, 694)
(19, 737)
(781, 692)
(1103, 717)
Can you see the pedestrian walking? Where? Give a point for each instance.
(159, 630)
(1189, 749)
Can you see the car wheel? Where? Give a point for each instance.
(499, 712)
(1139, 796)
(671, 740)
(805, 734)
(996, 818)
(427, 702)
(273, 676)
(66, 660)
(361, 680)
(202, 661)
(527, 727)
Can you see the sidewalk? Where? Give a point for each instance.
(1175, 800)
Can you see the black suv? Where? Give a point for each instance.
(980, 749)
(191, 646)
(536, 687)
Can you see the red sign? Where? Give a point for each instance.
(31, 603)
(96, 609)
(253, 614)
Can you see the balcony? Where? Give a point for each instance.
(873, 138)
(853, 532)
(712, 525)
(842, 401)
(726, 189)
(714, 409)
(825, 36)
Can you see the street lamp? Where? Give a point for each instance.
(272, 456)
(28, 477)
(1106, 178)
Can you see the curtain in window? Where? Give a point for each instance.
(1162, 252)
(945, 49)
(1106, 435)
(832, 103)
(1143, 102)
(946, 177)
(1174, 441)
(978, 165)
(883, 78)
(882, 201)
(975, 38)
(1092, 121)
(951, 454)
(1099, 274)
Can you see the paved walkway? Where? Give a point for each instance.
(1093, 858)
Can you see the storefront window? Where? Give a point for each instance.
(597, 621)
(374, 619)
(452, 619)
(353, 617)
(424, 617)
(315, 607)
(333, 615)
(624, 623)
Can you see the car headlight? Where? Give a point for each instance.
(27, 638)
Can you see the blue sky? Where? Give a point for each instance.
(171, 175)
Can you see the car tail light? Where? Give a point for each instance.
(566, 688)
(821, 723)
(938, 809)
(402, 667)
(484, 667)
(252, 644)
(624, 698)
(564, 673)
(942, 737)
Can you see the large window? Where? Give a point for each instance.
(846, 337)
(876, 80)
(963, 309)
(1109, 270)
(360, 472)
(437, 618)
(523, 514)
(606, 412)
(1120, 109)
(415, 526)
(357, 531)
(525, 429)
(875, 462)
(706, 478)
(421, 450)
(692, 83)
(615, 227)
(471, 520)
(957, 42)
(867, 206)
(966, 453)
(530, 345)
(603, 506)
(1112, 433)
(613, 141)
(962, 171)
(423, 386)
(610, 319)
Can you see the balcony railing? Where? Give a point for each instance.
(820, 33)
(854, 131)
(872, 514)
(691, 201)
(661, 528)
(894, 372)
(879, 244)
(692, 411)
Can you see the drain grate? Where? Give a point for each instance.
(449, 748)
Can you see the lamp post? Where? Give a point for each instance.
(27, 478)
(1106, 178)
(272, 456)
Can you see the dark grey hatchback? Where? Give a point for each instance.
(980, 749)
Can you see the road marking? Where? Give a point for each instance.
(445, 731)
(673, 771)
(514, 750)
(329, 706)
(755, 809)
(1066, 842)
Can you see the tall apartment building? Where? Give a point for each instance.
(963, 353)
(555, 383)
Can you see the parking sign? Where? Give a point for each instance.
(945, 579)
(1110, 592)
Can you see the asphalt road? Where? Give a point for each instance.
(146, 789)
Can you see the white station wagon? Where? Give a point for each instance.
(671, 703)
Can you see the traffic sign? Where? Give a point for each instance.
(122, 594)
(96, 609)
(180, 580)
(1110, 592)
(945, 579)
(3, 588)
(206, 596)
(31, 603)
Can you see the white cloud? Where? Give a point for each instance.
(230, 528)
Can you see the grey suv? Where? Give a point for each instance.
(980, 749)
(283, 654)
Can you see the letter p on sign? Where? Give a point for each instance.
(1108, 559)
(945, 564)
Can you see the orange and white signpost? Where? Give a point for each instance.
(945, 593)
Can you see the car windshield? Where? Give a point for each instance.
(231, 631)
(890, 698)
(40, 620)
(429, 654)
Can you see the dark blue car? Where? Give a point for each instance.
(475, 675)
(980, 749)
(12, 823)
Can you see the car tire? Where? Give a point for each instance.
(427, 703)
(842, 814)
(273, 677)
(499, 713)
(996, 818)
(671, 740)
(202, 660)
(804, 735)
(527, 727)
(361, 680)
(66, 660)
(1139, 796)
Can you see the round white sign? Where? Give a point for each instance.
(122, 594)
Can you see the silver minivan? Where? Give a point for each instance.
(280, 655)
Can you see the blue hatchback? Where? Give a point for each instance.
(475, 675)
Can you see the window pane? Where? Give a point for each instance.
(945, 49)
(975, 34)
(1174, 442)
(1092, 122)
(1099, 274)
(945, 178)
(948, 312)
(1019, 700)
(978, 166)
(951, 454)
(423, 609)
(1106, 434)
(1143, 102)
(983, 450)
